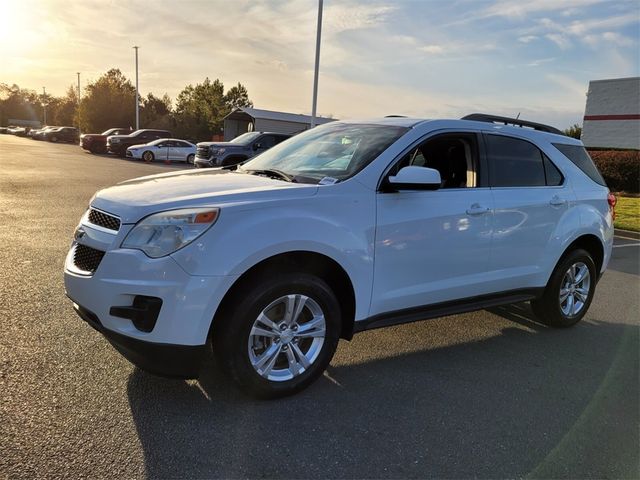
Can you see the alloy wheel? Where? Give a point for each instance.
(574, 289)
(287, 337)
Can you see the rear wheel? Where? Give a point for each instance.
(54, 139)
(190, 159)
(147, 156)
(568, 294)
(279, 335)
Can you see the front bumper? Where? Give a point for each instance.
(205, 162)
(181, 361)
(116, 148)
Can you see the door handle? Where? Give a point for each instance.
(556, 201)
(477, 209)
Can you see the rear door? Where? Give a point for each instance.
(530, 198)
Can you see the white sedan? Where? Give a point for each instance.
(164, 149)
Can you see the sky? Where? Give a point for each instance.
(422, 58)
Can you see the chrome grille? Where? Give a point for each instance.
(104, 220)
(202, 151)
(86, 258)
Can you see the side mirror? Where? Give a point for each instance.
(256, 146)
(416, 178)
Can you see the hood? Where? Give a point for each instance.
(137, 198)
(140, 145)
(221, 144)
(92, 135)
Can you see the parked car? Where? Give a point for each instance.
(4, 130)
(97, 142)
(164, 149)
(346, 227)
(247, 145)
(39, 133)
(61, 134)
(17, 131)
(118, 144)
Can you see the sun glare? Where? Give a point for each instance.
(15, 28)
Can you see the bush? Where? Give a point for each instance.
(620, 169)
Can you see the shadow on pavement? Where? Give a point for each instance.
(527, 401)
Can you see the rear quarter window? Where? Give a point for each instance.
(581, 159)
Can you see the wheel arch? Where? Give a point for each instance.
(311, 262)
(592, 244)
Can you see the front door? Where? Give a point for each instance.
(434, 246)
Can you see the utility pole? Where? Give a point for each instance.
(317, 66)
(78, 101)
(137, 94)
(44, 105)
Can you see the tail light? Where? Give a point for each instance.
(611, 199)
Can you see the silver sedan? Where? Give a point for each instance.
(164, 149)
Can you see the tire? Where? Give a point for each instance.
(148, 156)
(191, 158)
(53, 139)
(273, 365)
(570, 280)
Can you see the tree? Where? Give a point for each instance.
(200, 109)
(64, 110)
(17, 103)
(237, 97)
(574, 131)
(155, 112)
(108, 102)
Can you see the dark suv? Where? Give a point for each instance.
(97, 142)
(62, 134)
(247, 145)
(118, 144)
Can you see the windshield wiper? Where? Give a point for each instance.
(269, 172)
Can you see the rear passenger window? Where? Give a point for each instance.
(551, 172)
(514, 162)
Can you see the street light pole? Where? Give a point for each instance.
(317, 66)
(137, 95)
(78, 100)
(44, 105)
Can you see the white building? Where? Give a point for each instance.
(245, 119)
(612, 114)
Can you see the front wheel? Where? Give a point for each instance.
(54, 139)
(190, 159)
(147, 156)
(569, 292)
(279, 334)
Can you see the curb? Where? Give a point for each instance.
(626, 233)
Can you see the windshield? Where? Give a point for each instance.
(109, 132)
(246, 138)
(334, 150)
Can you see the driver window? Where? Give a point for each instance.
(455, 156)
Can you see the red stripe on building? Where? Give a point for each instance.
(631, 116)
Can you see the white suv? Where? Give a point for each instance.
(346, 227)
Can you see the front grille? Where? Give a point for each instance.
(86, 258)
(202, 151)
(104, 220)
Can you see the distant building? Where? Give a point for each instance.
(245, 119)
(612, 114)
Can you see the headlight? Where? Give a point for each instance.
(163, 233)
(218, 151)
(114, 140)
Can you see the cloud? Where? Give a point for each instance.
(527, 38)
(575, 87)
(520, 9)
(560, 40)
(540, 61)
(432, 49)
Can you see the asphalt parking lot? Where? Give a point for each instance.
(490, 394)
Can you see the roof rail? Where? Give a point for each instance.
(484, 117)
